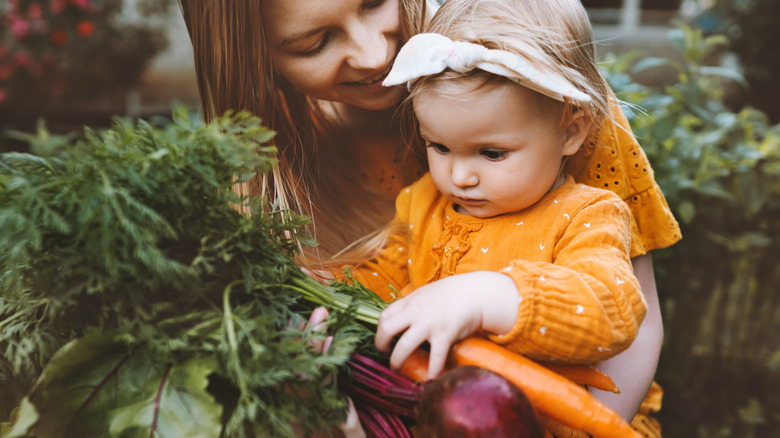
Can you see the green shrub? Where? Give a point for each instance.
(719, 286)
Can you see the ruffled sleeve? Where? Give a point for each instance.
(613, 160)
(586, 306)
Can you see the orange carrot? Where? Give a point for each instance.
(416, 366)
(553, 395)
(587, 375)
(559, 430)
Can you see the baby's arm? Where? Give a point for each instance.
(586, 306)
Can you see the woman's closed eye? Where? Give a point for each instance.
(317, 47)
(494, 154)
(440, 148)
(373, 4)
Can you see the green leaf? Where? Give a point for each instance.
(687, 211)
(94, 386)
(774, 361)
(655, 62)
(180, 406)
(753, 413)
(43, 142)
(725, 73)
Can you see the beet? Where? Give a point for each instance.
(469, 401)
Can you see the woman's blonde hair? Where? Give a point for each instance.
(235, 71)
(555, 35)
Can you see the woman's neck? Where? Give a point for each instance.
(360, 120)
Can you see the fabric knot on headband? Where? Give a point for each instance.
(431, 53)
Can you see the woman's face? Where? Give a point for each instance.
(337, 50)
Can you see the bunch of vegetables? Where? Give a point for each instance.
(135, 298)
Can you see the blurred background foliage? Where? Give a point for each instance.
(709, 127)
(719, 169)
(56, 55)
(752, 29)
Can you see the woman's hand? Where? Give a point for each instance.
(444, 312)
(351, 428)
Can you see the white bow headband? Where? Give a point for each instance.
(430, 53)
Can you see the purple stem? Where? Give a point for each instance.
(157, 398)
(101, 383)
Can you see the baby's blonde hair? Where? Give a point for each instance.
(555, 35)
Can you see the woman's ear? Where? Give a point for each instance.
(575, 131)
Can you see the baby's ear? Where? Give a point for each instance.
(576, 130)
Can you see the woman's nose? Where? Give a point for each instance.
(369, 47)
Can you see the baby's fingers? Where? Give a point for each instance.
(407, 343)
(437, 360)
(389, 326)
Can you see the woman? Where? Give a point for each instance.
(312, 70)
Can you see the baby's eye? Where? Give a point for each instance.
(440, 148)
(493, 154)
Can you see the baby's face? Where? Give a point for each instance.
(492, 151)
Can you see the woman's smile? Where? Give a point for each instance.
(336, 51)
(377, 78)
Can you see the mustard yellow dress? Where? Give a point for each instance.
(568, 254)
(611, 159)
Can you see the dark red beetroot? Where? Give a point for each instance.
(469, 401)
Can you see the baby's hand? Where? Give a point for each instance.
(444, 312)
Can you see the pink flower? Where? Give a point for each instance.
(19, 27)
(35, 12)
(57, 6)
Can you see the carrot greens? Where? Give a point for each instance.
(135, 298)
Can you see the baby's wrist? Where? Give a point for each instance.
(500, 304)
